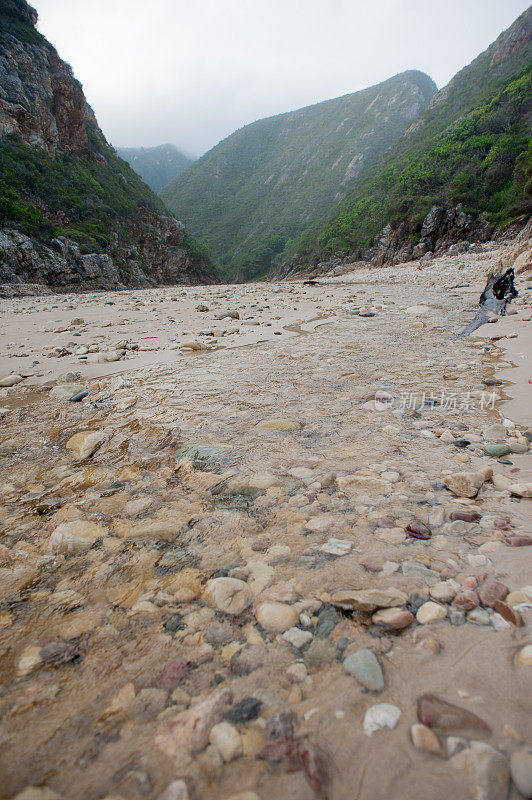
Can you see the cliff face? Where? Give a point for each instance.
(73, 214)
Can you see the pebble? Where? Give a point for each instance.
(336, 547)
(382, 715)
(490, 591)
(465, 484)
(494, 432)
(508, 613)
(479, 616)
(430, 612)
(521, 771)
(297, 637)
(227, 741)
(444, 591)
(521, 489)
(278, 617)
(279, 425)
(75, 537)
(370, 599)
(425, 739)
(189, 730)
(229, 595)
(84, 444)
(497, 450)
(363, 666)
(487, 771)
(177, 790)
(524, 656)
(418, 529)
(396, 618)
(10, 380)
(450, 719)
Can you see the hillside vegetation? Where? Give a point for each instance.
(258, 190)
(470, 146)
(157, 166)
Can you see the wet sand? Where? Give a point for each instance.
(263, 460)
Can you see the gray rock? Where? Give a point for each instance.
(364, 666)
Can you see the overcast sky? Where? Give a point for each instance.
(193, 71)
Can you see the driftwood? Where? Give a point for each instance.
(498, 293)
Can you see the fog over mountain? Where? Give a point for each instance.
(192, 73)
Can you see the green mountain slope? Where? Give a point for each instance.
(60, 178)
(265, 184)
(470, 146)
(155, 165)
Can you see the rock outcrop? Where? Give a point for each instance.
(72, 214)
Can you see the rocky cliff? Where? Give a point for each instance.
(72, 214)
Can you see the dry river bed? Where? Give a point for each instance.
(280, 554)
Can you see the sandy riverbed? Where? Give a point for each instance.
(262, 459)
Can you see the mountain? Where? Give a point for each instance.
(462, 169)
(265, 184)
(157, 166)
(72, 213)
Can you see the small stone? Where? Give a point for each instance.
(467, 600)
(229, 595)
(494, 433)
(426, 740)
(29, 659)
(508, 613)
(336, 547)
(245, 710)
(227, 741)
(277, 617)
(450, 719)
(521, 489)
(465, 484)
(524, 656)
(486, 769)
(465, 516)
(189, 731)
(416, 569)
(84, 444)
(430, 612)
(279, 425)
(297, 673)
(382, 715)
(479, 616)
(519, 540)
(516, 598)
(370, 599)
(521, 771)
(444, 591)
(297, 637)
(248, 659)
(75, 537)
(490, 591)
(173, 674)
(37, 793)
(10, 380)
(418, 530)
(496, 450)
(364, 666)
(395, 618)
(177, 790)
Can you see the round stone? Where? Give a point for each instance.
(277, 617)
(521, 771)
(396, 618)
(229, 595)
(430, 612)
